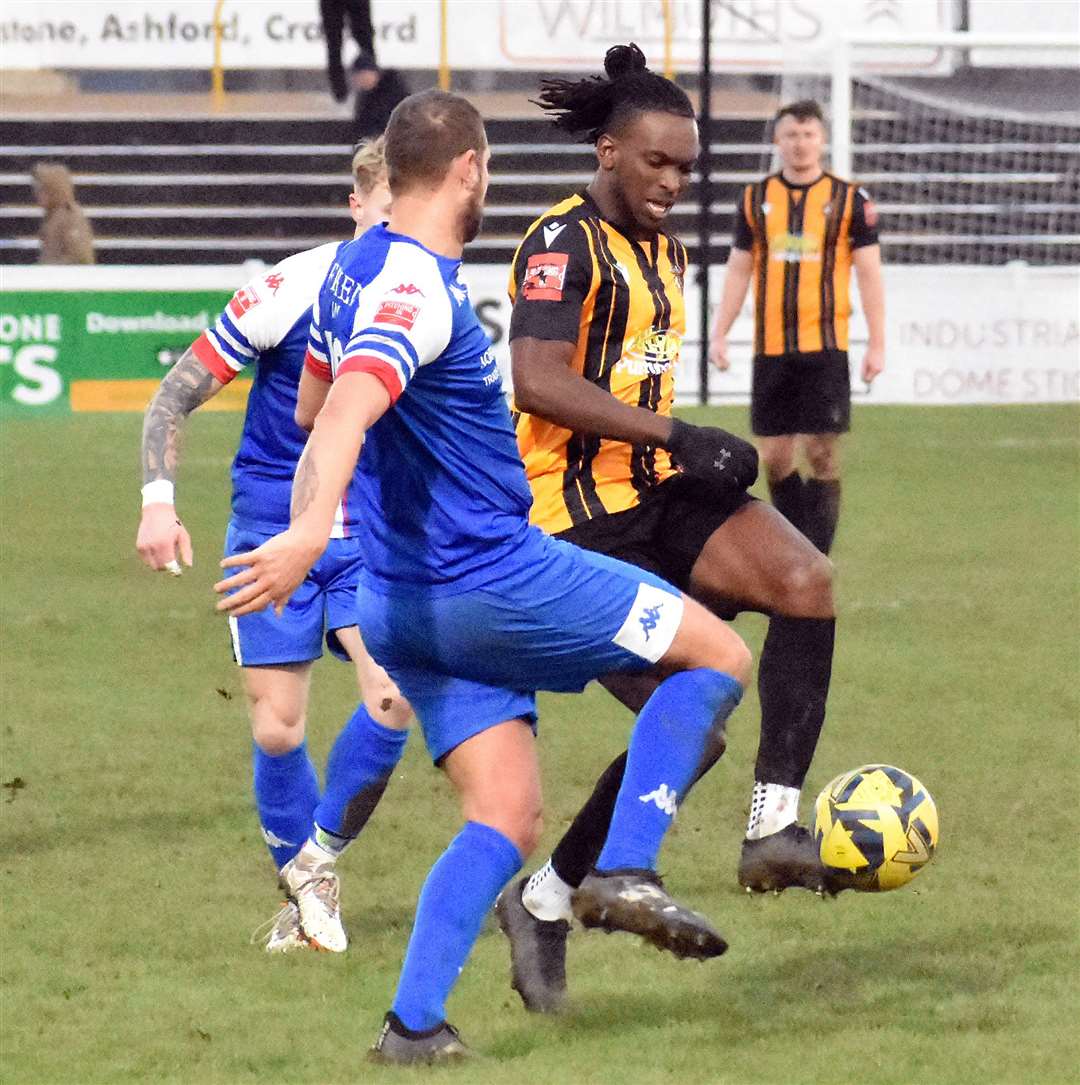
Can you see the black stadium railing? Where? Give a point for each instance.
(222, 190)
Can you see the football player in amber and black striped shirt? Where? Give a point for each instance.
(797, 235)
(595, 336)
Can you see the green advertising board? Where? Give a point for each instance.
(87, 350)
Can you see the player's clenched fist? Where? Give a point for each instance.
(718, 353)
(713, 455)
(163, 539)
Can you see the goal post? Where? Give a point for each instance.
(845, 64)
(968, 158)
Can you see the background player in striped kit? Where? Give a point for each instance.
(595, 335)
(266, 325)
(797, 234)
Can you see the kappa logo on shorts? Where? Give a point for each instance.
(651, 625)
(650, 619)
(545, 274)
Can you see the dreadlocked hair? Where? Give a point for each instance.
(589, 107)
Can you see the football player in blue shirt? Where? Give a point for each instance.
(266, 325)
(469, 608)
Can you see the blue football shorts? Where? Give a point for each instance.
(553, 617)
(325, 602)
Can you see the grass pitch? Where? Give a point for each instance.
(133, 871)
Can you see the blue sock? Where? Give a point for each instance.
(458, 894)
(665, 749)
(357, 772)
(286, 794)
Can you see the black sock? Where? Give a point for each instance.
(576, 853)
(821, 510)
(787, 496)
(793, 685)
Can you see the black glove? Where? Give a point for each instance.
(713, 455)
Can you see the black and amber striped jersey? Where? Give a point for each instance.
(578, 279)
(802, 238)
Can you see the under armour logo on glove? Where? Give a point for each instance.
(713, 455)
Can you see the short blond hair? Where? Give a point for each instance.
(369, 165)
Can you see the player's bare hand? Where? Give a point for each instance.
(873, 363)
(163, 541)
(718, 353)
(267, 576)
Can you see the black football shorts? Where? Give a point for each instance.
(666, 532)
(800, 393)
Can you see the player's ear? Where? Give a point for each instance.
(356, 209)
(466, 168)
(607, 151)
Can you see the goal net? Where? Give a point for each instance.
(970, 165)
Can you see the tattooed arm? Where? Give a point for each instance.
(272, 572)
(186, 386)
(162, 538)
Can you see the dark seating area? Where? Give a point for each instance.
(220, 190)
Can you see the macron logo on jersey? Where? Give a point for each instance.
(552, 231)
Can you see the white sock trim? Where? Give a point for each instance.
(547, 896)
(772, 807)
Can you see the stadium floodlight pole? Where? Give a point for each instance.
(217, 75)
(669, 65)
(444, 63)
(704, 196)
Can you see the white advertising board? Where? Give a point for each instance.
(549, 35)
(954, 335)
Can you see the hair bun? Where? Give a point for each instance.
(622, 60)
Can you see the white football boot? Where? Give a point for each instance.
(312, 885)
(282, 934)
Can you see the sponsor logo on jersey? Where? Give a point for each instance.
(399, 313)
(244, 299)
(650, 353)
(274, 281)
(792, 248)
(545, 274)
(407, 288)
(552, 231)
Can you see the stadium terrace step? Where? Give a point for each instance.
(194, 190)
